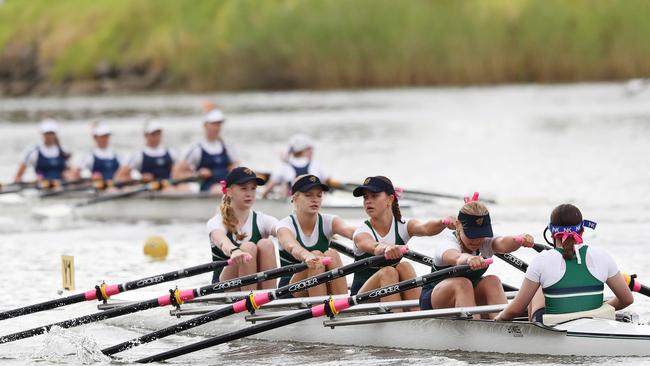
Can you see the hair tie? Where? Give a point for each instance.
(565, 235)
(398, 192)
(224, 187)
(473, 199)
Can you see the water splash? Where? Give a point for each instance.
(66, 346)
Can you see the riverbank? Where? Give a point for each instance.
(81, 47)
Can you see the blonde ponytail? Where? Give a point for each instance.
(229, 219)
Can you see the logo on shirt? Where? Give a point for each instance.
(312, 179)
(160, 161)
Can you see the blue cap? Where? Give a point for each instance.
(307, 182)
(241, 175)
(374, 184)
(476, 226)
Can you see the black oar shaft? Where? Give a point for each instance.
(114, 289)
(281, 292)
(309, 313)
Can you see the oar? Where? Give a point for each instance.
(331, 308)
(151, 186)
(253, 302)
(96, 184)
(174, 297)
(631, 280)
(104, 291)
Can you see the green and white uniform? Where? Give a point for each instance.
(319, 239)
(572, 285)
(257, 226)
(397, 235)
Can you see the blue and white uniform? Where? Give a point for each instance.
(295, 167)
(102, 161)
(214, 155)
(48, 161)
(156, 161)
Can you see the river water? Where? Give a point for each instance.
(529, 147)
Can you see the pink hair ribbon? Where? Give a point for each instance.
(564, 235)
(224, 187)
(473, 199)
(398, 192)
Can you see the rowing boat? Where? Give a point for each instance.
(162, 206)
(435, 330)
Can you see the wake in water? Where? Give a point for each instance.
(66, 346)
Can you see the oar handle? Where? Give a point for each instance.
(541, 247)
(635, 285)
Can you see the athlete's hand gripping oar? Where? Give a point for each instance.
(330, 308)
(252, 302)
(104, 291)
(174, 297)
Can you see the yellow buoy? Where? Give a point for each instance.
(156, 247)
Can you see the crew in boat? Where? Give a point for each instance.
(305, 236)
(101, 163)
(48, 158)
(210, 159)
(238, 231)
(154, 161)
(569, 279)
(385, 232)
(298, 160)
(470, 243)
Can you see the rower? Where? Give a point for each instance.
(48, 158)
(210, 159)
(567, 282)
(101, 162)
(305, 236)
(238, 231)
(383, 233)
(297, 161)
(154, 161)
(470, 244)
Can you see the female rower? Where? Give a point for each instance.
(211, 159)
(383, 233)
(102, 163)
(48, 159)
(471, 243)
(305, 236)
(154, 161)
(570, 278)
(239, 233)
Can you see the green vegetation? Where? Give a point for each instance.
(278, 44)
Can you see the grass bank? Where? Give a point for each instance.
(279, 44)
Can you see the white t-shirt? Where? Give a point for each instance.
(193, 154)
(450, 242)
(286, 173)
(265, 223)
(548, 267)
(390, 237)
(311, 240)
(135, 161)
(89, 159)
(30, 155)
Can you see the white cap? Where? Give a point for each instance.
(49, 125)
(101, 129)
(299, 142)
(152, 126)
(214, 115)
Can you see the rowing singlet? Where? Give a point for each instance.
(158, 166)
(50, 168)
(106, 167)
(218, 163)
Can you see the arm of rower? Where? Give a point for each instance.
(219, 238)
(623, 296)
(366, 243)
(520, 303)
(19, 173)
(123, 174)
(290, 244)
(429, 228)
(181, 170)
(340, 227)
(453, 257)
(504, 244)
(268, 187)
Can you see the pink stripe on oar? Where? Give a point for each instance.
(261, 299)
(112, 290)
(239, 306)
(90, 295)
(187, 295)
(637, 286)
(341, 304)
(489, 261)
(317, 311)
(164, 300)
(326, 261)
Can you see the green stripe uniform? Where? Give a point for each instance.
(362, 276)
(219, 255)
(577, 290)
(322, 245)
